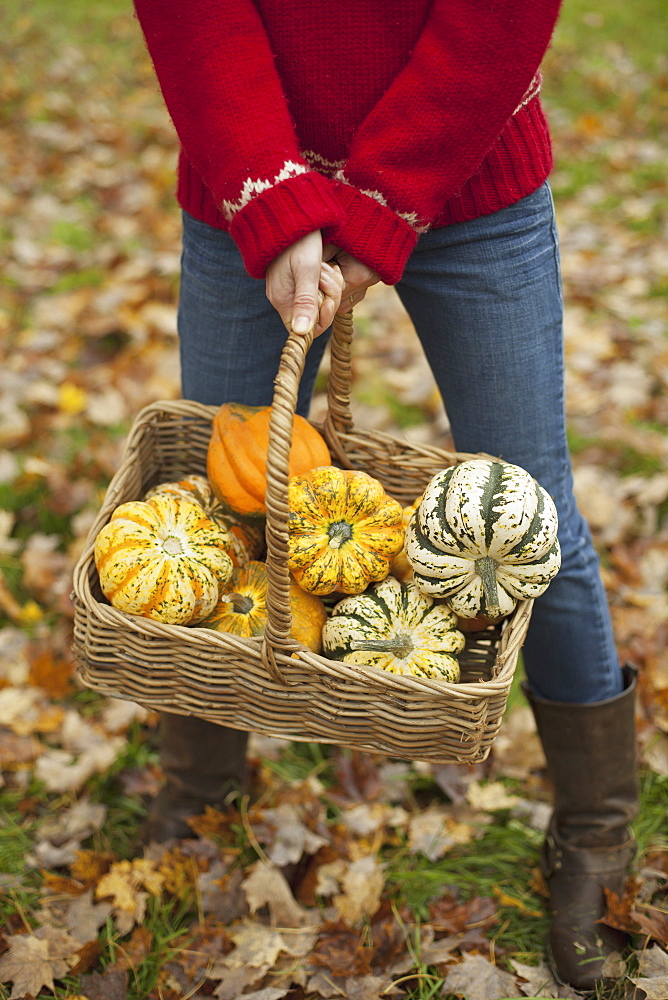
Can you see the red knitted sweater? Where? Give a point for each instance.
(371, 120)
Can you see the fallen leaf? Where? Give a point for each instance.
(17, 750)
(89, 866)
(64, 772)
(477, 979)
(268, 993)
(121, 886)
(112, 984)
(289, 837)
(267, 886)
(83, 917)
(539, 982)
(137, 949)
(433, 832)
(34, 960)
(362, 886)
(234, 982)
(490, 796)
(256, 945)
(51, 673)
(341, 950)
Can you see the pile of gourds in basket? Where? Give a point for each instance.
(269, 585)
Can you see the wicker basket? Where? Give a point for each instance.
(273, 685)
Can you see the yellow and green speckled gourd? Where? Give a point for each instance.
(343, 530)
(163, 559)
(395, 627)
(242, 607)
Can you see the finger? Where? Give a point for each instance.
(351, 299)
(331, 282)
(326, 318)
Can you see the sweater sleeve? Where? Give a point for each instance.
(472, 68)
(216, 71)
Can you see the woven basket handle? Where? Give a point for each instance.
(338, 420)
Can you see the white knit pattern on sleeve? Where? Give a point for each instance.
(252, 187)
(533, 90)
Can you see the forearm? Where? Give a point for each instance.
(217, 74)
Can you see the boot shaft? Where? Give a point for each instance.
(590, 751)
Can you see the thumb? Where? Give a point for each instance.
(305, 305)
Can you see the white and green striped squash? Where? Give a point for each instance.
(483, 537)
(395, 627)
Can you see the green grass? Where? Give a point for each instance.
(639, 29)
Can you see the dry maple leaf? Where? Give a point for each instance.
(653, 973)
(121, 885)
(256, 945)
(234, 982)
(363, 883)
(83, 918)
(267, 886)
(285, 836)
(653, 921)
(477, 979)
(34, 960)
(112, 984)
(539, 982)
(89, 866)
(619, 909)
(341, 950)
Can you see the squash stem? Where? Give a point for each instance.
(172, 545)
(240, 602)
(486, 570)
(399, 645)
(339, 532)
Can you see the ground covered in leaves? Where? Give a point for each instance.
(341, 874)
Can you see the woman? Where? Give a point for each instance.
(332, 146)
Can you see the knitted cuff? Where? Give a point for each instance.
(282, 214)
(372, 233)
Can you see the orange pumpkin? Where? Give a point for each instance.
(237, 455)
(242, 607)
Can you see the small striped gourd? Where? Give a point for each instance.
(163, 559)
(343, 530)
(194, 488)
(247, 538)
(483, 537)
(242, 607)
(394, 626)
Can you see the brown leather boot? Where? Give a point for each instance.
(204, 764)
(591, 759)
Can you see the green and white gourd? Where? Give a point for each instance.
(395, 627)
(483, 537)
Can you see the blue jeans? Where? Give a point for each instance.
(485, 299)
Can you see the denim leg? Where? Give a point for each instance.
(485, 299)
(230, 335)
